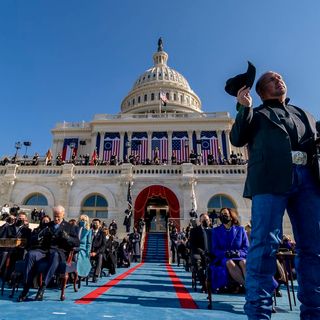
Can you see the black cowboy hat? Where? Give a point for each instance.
(244, 79)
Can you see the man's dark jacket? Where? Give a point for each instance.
(270, 161)
(197, 241)
(64, 239)
(24, 232)
(98, 243)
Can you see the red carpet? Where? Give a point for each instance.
(185, 299)
(90, 297)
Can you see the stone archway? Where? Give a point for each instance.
(156, 191)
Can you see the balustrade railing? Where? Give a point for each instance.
(134, 116)
(186, 169)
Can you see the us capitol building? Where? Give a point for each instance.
(161, 124)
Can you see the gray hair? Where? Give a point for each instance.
(59, 208)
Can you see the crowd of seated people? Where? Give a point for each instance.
(52, 244)
(15, 227)
(214, 250)
(95, 246)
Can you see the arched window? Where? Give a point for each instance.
(36, 199)
(95, 206)
(220, 201)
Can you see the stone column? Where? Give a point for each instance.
(228, 146)
(121, 146)
(169, 146)
(149, 144)
(198, 147)
(93, 142)
(60, 146)
(55, 149)
(219, 133)
(190, 143)
(130, 142)
(101, 146)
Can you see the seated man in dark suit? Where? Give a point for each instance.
(199, 245)
(63, 238)
(97, 247)
(20, 230)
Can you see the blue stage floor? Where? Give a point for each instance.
(146, 293)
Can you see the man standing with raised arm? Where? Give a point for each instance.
(281, 140)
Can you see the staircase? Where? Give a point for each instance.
(155, 248)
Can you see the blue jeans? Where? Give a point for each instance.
(302, 202)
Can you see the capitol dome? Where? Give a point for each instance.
(161, 80)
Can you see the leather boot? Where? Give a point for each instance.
(24, 293)
(40, 293)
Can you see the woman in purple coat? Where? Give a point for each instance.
(229, 246)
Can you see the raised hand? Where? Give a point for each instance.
(244, 97)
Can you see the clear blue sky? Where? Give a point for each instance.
(70, 59)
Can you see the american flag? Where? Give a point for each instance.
(209, 144)
(111, 147)
(181, 148)
(69, 145)
(139, 145)
(161, 146)
(163, 98)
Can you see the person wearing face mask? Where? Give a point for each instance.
(229, 246)
(97, 248)
(20, 228)
(85, 236)
(174, 243)
(110, 255)
(199, 245)
(40, 242)
(17, 230)
(40, 237)
(63, 239)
